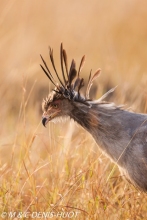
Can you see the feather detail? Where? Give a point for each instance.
(70, 84)
(90, 81)
(81, 65)
(81, 84)
(72, 73)
(48, 75)
(65, 61)
(61, 59)
(46, 67)
(106, 94)
(103, 97)
(76, 83)
(53, 64)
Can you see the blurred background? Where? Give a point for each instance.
(112, 35)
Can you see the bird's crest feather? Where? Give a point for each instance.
(69, 87)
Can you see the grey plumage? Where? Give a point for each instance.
(121, 134)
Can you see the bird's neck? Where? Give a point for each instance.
(102, 123)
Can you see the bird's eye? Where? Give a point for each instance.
(54, 105)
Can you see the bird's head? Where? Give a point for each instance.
(66, 94)
(55, 107)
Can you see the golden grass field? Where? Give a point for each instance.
(60, 169)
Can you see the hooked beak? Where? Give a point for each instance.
(46, 119)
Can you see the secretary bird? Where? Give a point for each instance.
(121, 134)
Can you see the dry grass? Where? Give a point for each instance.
(60, 168)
